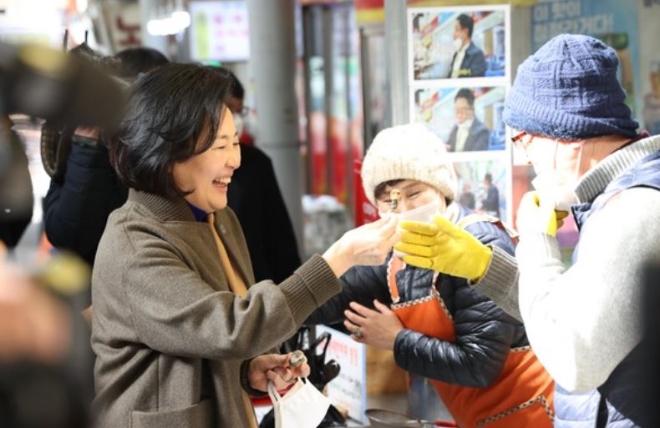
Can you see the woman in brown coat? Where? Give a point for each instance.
(180, 332)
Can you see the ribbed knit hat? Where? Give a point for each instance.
(569, 89)
(408, 152)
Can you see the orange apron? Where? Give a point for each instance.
(520, 397)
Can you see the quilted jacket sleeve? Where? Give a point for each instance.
(484, 333)
(361, 284)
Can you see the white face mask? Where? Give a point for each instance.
(557, 187)
(423, 213)
(458, 43)
(303, 406)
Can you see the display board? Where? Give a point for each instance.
(219, 31)
(459, 72)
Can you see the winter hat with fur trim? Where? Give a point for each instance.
(569, 89)
(408, 152)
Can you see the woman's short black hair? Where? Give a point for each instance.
(173, 114)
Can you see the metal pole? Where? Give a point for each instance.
(396, 40)
(273, 65)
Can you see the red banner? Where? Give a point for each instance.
(365, 212)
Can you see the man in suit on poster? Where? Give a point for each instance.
(469, 133)
(469, 60)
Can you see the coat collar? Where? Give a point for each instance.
(594, 182)
(165, 209)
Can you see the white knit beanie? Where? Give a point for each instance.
(408, 152)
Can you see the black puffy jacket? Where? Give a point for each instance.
(76, 210)
(484, 332)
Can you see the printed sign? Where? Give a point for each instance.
(349, 389)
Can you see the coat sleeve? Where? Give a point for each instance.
(484, 335)
(591, 311)
(361, 284)
(151, 295)
(76, 210)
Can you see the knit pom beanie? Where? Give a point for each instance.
(408, 152)
(569, 89)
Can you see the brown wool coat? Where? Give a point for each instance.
(168, 335)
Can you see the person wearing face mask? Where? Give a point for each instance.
(468, 60)
(469, 133)
(568, 113)
(476, 356)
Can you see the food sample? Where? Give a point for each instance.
(395, 197)
(297, 358)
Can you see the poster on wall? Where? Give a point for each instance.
(457, 43)
(459, 73)
(484, 183)
(467, 119)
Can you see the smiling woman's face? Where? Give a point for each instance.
(414, 194)
(208, 174)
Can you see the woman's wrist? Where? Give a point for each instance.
(336, 258)
(245, 380)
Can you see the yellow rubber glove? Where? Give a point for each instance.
(536, 215)
(443, 247)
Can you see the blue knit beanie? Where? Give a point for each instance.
(569, 89)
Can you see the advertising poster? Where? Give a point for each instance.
(484, 185)
(466, 119)
(459, 68)
(451, 43)
(349, 389)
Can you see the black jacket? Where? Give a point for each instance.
(484, 332)
(76, 210)
(473, 64)
(255, 197)
(16, 196)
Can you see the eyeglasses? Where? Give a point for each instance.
(516, 139)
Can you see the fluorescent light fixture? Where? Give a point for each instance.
(175, 23)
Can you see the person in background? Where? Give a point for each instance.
(568, 114)
(469, 133)
(491, 202)
(469, 60)
(135, 61)
(467, 198)
(181, 331)
(477, 357)
(256, 199)
(81, 197)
